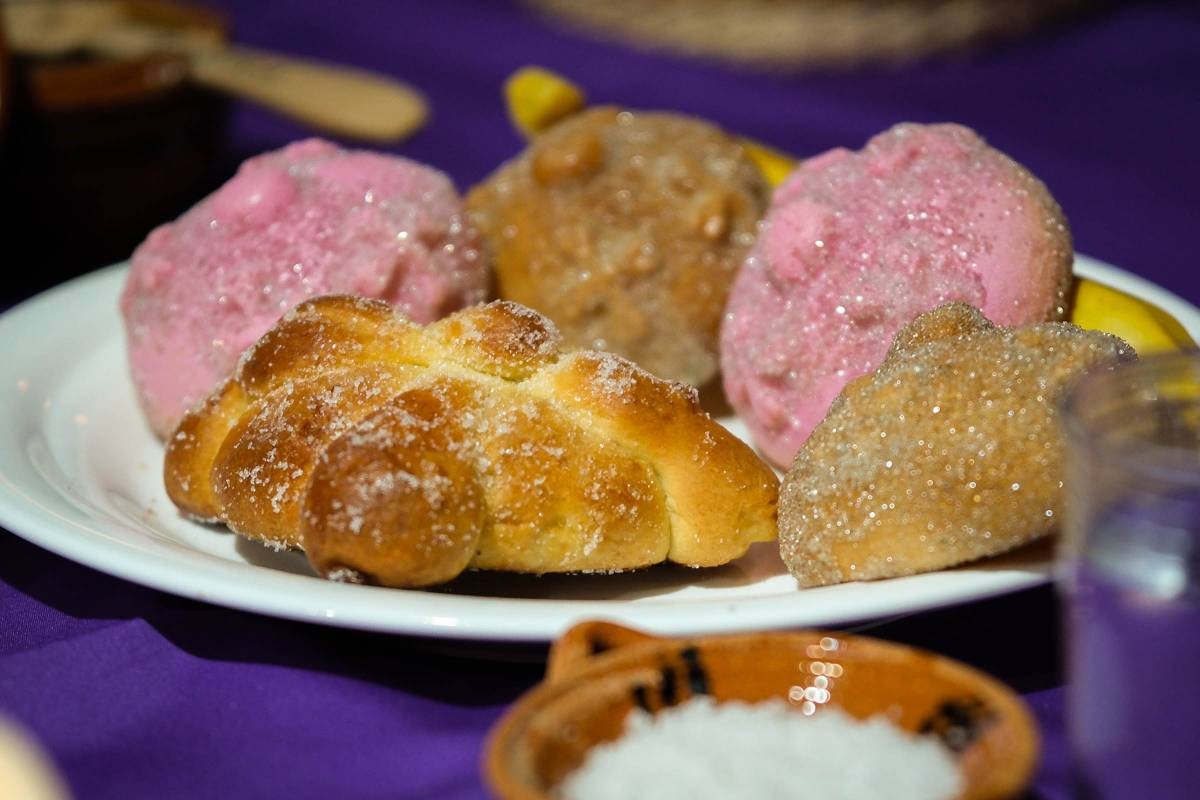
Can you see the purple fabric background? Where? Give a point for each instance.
(137, 694)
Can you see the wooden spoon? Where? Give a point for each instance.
(336, 99)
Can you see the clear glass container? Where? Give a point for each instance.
(1128, 575)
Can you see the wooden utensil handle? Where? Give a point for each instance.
(337, 99)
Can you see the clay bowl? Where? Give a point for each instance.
(598, 672)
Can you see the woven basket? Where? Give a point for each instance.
(806, 33)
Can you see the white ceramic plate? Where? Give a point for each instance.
(80, 476)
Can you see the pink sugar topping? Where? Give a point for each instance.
(306, 220)
(856, 245)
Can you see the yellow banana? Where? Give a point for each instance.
(1148, 328)
(774, 165)
(537, 98)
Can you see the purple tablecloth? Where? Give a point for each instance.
(136, 693)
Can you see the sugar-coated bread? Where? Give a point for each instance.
(399, 454)
(949, 452)
(857, 244)
(309, 219)
(626, 228)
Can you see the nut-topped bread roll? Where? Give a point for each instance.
(400, 454)
(627, 229)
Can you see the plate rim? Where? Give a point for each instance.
(223, 582)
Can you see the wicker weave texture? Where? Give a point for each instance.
(802, 33)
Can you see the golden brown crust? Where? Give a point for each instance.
(627, 229)
(949, 452)
(193, 447)
(348, 330)
(395, 500)
(260, 472)
(626, 403)
(401, 455)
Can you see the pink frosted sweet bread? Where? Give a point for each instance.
(856, 245)
(307, 220)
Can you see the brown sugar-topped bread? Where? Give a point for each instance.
(401, 455)
(949, 452)
(626, 228)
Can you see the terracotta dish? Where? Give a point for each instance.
(598, 672)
